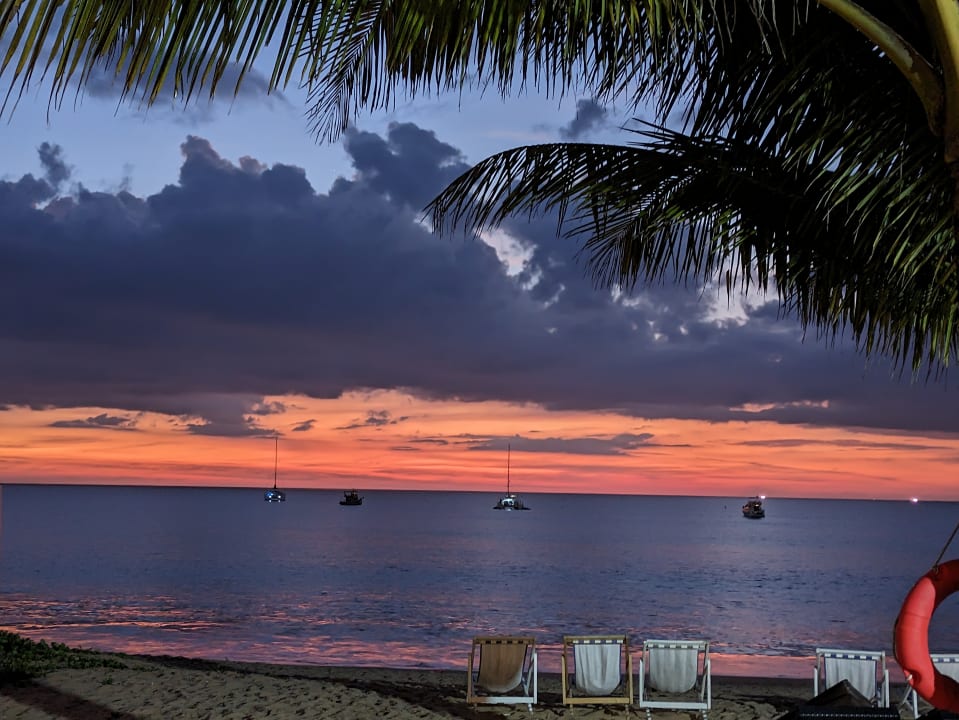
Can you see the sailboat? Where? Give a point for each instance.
(275, 495)
(509, 501)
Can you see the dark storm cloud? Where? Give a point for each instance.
(410, 166)
(589, 116)
(242, 281)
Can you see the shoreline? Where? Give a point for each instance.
(724, 663)
(165, 687)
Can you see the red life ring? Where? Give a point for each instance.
(911, 636)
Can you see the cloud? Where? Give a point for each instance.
(268, 408)
(106, 84)
(56, 171)
(375, 419)
(847, 443)
(240, 281)
(246, 428)
(102, 421)
(590, 115)
(622, 444)
(409, 166)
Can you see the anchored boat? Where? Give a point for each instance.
(510, 501)
(275, 495)
(351, 497)
(753, 508)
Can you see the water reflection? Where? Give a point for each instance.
(408, 580)
(317, 645)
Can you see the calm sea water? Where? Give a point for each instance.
(408, 578)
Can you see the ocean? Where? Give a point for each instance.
(408, 578)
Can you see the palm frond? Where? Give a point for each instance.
(144, 43)
(805, 156)
(673, 206)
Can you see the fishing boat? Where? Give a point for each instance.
(510, 501)
(753, 508)
(273, 495)
(351, 497)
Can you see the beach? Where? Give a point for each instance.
(165, 688)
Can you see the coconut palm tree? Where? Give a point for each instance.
(808, 146)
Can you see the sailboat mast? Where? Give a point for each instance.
(507, 469)
(276, 455)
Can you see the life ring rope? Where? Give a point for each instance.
(942, 552)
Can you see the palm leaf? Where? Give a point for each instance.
(805, 156)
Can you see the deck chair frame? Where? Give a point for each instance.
(575, 696)
(528, 680)
(947, 664)
(879, 696)
(703, 701)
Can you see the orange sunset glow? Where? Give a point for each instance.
(391, 440)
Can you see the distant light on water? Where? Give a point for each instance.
(762, 497)
(914, 500)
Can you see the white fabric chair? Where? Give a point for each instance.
(597, 670)
(865, 670)
(675, 675)
(947, 664)
(502, 670)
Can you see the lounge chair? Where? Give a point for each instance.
(865, 670)
(946, 664)
(675, 675)
(502, 670)
(597, 670)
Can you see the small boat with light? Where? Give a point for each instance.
(274, 495)
(351, 497)
(753, 508)
(510, 501)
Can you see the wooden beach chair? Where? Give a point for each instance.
(502, 670)
(947, 664)
(597, 670)
(865, 670)
(675, 675)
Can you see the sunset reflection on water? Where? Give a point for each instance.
(408, 579)
(201, 639)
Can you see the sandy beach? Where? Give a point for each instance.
(164, 688)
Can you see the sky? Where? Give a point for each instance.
(180, 285)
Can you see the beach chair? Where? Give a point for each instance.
(675, 675)
(865, 670)
(502, 670)
(597, 670)
(947, 664)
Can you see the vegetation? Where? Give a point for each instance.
(21, 658)
(810, 148)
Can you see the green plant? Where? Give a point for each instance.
(22, 658)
